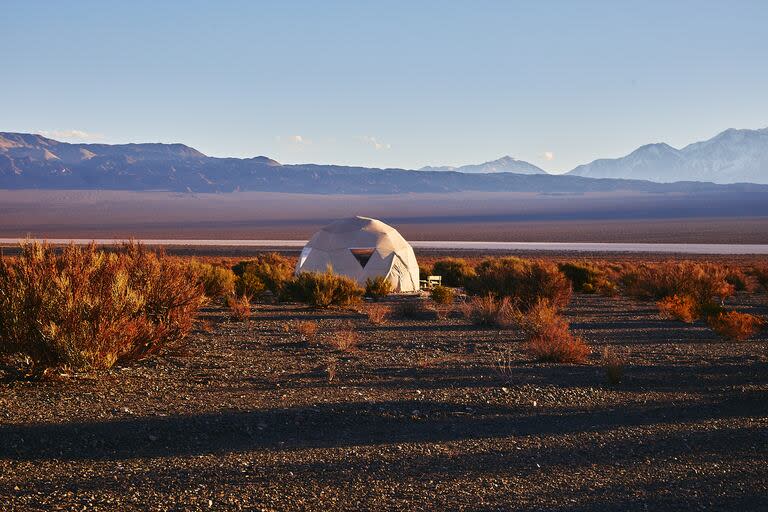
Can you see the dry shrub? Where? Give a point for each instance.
(377, 287)
(679, 307)
(703, 282)
(344, 339)
(524, 281)
(490, 311)
(307, 328)
(378, 313)
(217, 281)
(735, 326)
(85, 308)
(330, 370)
(549, 337)
(613, 364)
(267, 272)
(588, 277)
(322, 290)
(416, 309)
(454, 271)
(239, 308)
(557, 344)
(760, 272)
(738, 279)
(539, 318)
(442, 295)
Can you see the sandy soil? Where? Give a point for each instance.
(419, 417)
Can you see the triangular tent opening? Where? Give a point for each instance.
(362, 255)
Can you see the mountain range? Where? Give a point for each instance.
(34, 161)
(732, 156)
(503, 164)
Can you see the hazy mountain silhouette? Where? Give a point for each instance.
(33, 161)
(733, 156)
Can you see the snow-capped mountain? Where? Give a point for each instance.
(733, 156)
(503, 164)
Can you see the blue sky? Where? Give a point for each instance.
(389, 84)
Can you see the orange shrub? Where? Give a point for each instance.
(735, 326)
(344, 339)
(490, 311)
(703, 282)
(442, 295)
(239, 307)
(523, 281)
(307, 328)
(549, 337)
(454, 271)
(679, 307)
(539, 317)
(85, 308)
(378, 313)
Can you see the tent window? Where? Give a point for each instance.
(362, 255)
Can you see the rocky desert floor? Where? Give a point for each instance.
(432, 414)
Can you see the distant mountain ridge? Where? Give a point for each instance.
(33, 161)
(733, 156)
(503, 164)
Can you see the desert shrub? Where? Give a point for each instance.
(548, 335)
(267, 272)
(613, 365)
(307, 328)
(679, 307)
(413, 310)
(344, 339)
(239, 307)
(735, 326)
(702, 282)
(217, 281)
(490, 311)
(556, 343)
(539, 317)
(588, 278)
(378, 313)
(442, 295)
(454, 271)
(424, 272)
(524, 281)
(737, 278)
(86, 309)
(322, 290)
(377, 287)
(760, 272)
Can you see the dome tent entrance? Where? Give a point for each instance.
(362, 248)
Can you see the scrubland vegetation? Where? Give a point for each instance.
(562, 364)
(83, 308)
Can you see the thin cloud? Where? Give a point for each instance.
(373, 142)
(293, 139)
(548, 156)
(71, 135)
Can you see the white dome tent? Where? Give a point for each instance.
(362, 248)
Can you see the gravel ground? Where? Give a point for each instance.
(424, 415)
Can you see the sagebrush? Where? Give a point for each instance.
(523, 281)
(85, 308)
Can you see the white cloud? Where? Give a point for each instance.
(548, 156)
(297, 140)
(71, 135)
(373, 142)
